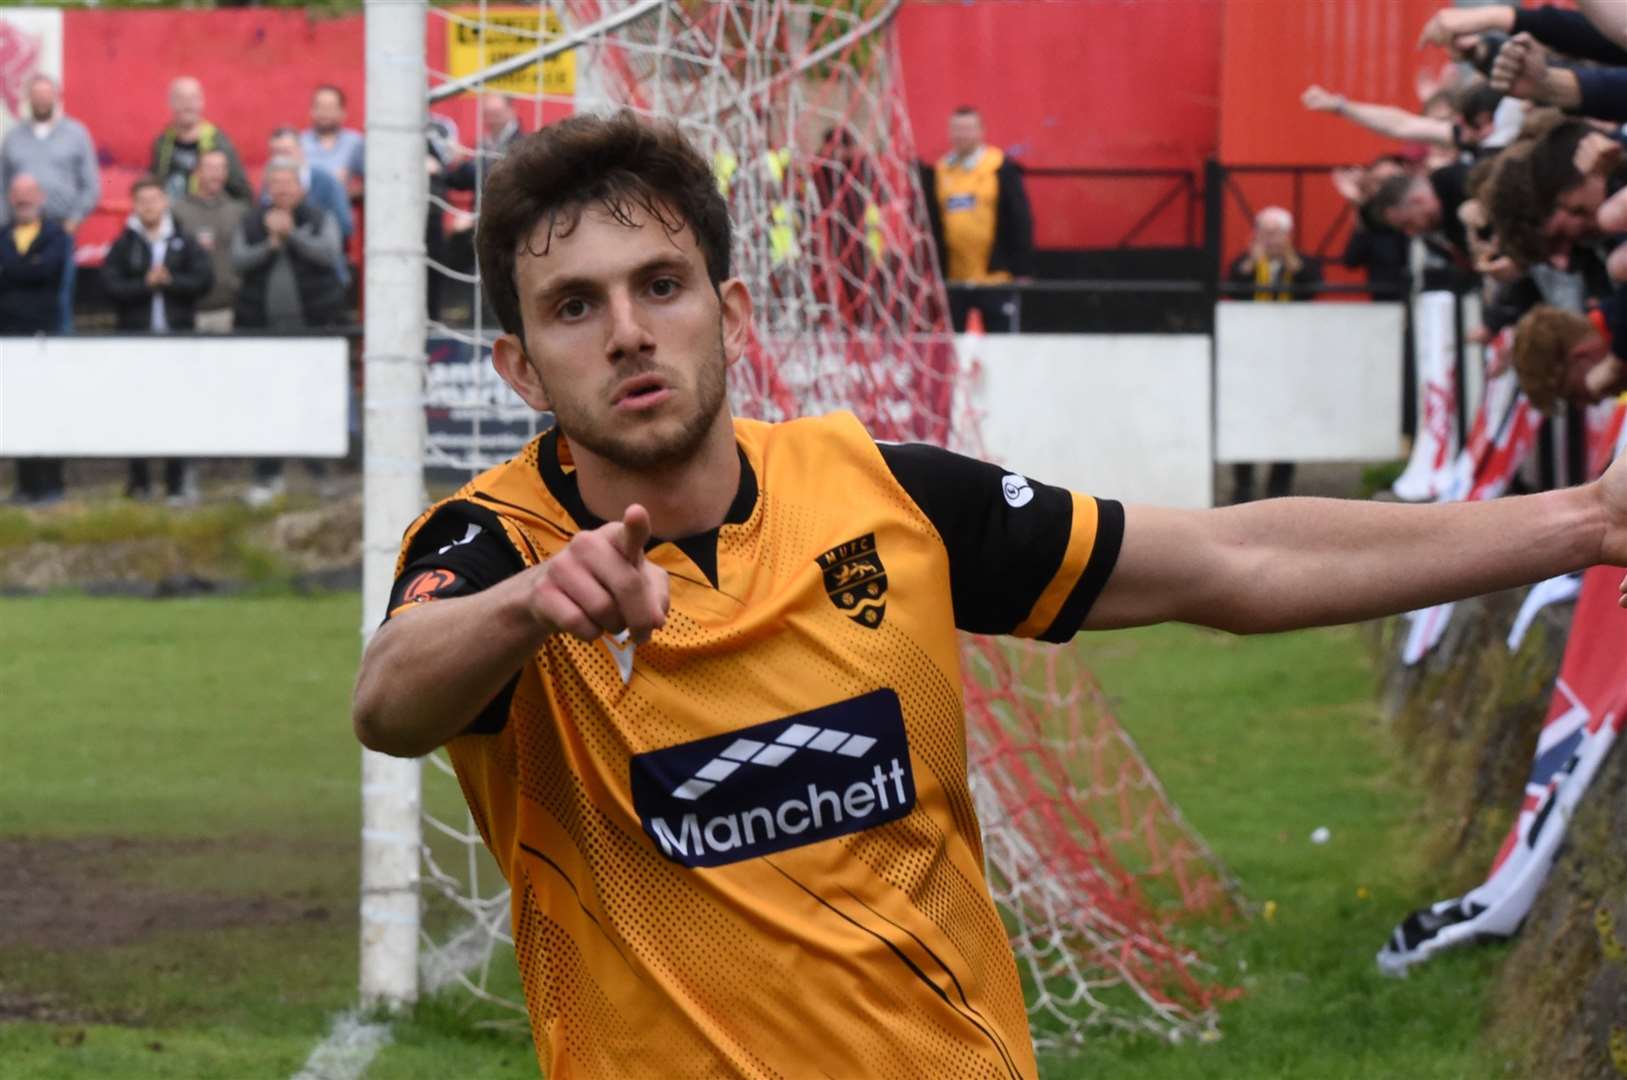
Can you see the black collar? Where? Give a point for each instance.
(700, 547)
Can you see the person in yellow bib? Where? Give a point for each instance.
(982, 223)
(699, 676)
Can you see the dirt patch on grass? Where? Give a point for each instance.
(63, 895)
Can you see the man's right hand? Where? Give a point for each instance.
(1319, 100)
(1521, 68)
(602, 583)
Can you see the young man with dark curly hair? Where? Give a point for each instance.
(699, 676)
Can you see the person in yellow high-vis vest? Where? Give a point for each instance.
(981, 220)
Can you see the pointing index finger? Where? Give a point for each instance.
(635, 533)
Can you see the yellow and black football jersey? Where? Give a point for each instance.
(747, 847)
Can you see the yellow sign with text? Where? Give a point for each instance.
(473, 45)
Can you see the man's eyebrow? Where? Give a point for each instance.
(577, 283)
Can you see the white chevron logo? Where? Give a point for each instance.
(774, 754)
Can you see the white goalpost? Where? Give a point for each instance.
(393, 467)
(799, 105)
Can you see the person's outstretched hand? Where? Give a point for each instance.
(1319, 100)
(1521, 67)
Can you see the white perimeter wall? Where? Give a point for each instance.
(1307, 381)
(185, 396)
(1122, 416)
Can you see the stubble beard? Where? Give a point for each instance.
(645, 455)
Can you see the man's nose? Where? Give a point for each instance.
(628, 335)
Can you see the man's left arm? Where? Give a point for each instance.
(237, 177)
(1285, 564)
(193, 273)
(319, 245)
(89, 180)
(1016, 225)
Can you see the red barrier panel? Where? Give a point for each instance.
(1073, 83)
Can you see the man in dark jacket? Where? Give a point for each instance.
(981, 221)
(287, 253)
(154, 274)
(34, 253)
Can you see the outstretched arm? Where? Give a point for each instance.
(1384, 119)
(1449, 24)
(1608, 17)
(1284, 564)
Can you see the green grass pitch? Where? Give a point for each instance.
(179, 808)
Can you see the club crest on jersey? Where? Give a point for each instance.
(856, 581)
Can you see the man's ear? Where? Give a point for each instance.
(736, 302)
(509, 358)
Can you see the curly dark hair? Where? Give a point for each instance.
(617, 162)
(1543, 340)
(1520, 194)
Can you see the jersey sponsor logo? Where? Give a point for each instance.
(856, 581)
(778, 785)
(960, 202)
(429, 586)
(1016, 490)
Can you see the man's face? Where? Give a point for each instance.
(1477, 128)
(1583, 358)
(26, 200)
(286, 146)
(965, 132)
(1275, 238)
(150, 204)
(627, 337)
(212, 171)
(327, 113)
(1576, 211)
(42, 99)
(186, 103)
(494, 115)
(1418, 213)
(282, 187)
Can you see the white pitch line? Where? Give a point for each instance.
(347, 1051)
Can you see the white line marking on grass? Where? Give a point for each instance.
(347, 1051)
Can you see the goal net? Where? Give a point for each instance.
(800, 107)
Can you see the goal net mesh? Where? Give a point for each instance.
(800, 106)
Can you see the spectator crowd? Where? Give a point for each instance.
(1518, 194)
(206, 248)
(1510, 181)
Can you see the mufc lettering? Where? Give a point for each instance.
(856, 580)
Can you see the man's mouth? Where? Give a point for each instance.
(640, 392)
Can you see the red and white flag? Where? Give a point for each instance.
(1584, 718)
